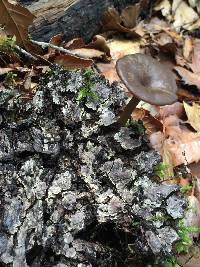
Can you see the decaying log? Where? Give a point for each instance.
(74, 192)
(75, 18)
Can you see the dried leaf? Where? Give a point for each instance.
(188, 77)
(193, 114)
(88, 53)
(73, 62)
(183, 144)
(195, 65)
(109, 71)
(122, 47)
(55, 40)
(188, 47)
(75, 43)
(150, 123)
(16, 20)
(130, 15)
(184, 95)
(99, 43)
(111, 21)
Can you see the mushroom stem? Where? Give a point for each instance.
(126, 113)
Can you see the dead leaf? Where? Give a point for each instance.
(16, 20)
(150, 123)
(109, 71)
(195, 65)
(121, 47)
(75, 44)
(88, 53)
(184, 95)
(111, 21)
(188, 77)
(182, 144)
(130, 15)
(55, 40)
(73, 62)
(99, 43)
(193, 114)
(188, 47)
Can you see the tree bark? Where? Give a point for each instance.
(74, 18)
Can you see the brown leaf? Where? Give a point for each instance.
(109, 71)
(16, 20)
(88, 53)
(151, 124)
(99, 43)
(130, 15)
(188, 77)
(188, 47)
(55, 40)
(111, 21)
(75, 43)
(73, 62)
(184, 95)
(195, 66)
(193, 114)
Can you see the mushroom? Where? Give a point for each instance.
(148, 80)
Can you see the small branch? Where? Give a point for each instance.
(61, 49)
(25, 53)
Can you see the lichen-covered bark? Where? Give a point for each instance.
(76, 191)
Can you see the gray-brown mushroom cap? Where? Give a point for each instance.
(147, 79)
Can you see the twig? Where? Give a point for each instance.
(61, 49)
(25, 53)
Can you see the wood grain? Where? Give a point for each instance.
(74, 18)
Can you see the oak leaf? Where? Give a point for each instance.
(16, 20)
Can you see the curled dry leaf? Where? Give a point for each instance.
(193, 114)
(188, 77)
(55, 40)
(16, 20)
(73, 62)
(99, 43)
(130, 15)
(111, 21)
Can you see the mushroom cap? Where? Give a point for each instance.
(147, 79)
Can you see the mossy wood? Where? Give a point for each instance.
(75, 18)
